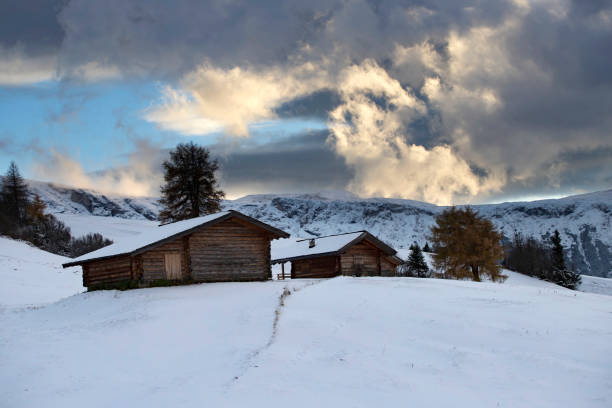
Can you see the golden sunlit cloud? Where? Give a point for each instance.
(373, 141)
(140, 177)
(213, 99)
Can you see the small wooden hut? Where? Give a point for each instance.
(225, 246)
(356, 254)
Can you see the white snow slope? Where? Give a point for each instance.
(30, 276)
(346, 342)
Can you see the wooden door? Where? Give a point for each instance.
(359, 265)
(173, 266)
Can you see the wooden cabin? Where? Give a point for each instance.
(225, 246)
(355, 254)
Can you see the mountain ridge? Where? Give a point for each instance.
(583, 220)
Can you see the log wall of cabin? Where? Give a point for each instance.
(154, 261)
(387, 267)
(320, 267)
(361, 259)
(230, 251)
(107, 271)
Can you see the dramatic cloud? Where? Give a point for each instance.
(370, 132)
(509, 112)
(141, 176)
(214, 98)
(283, 166)
(445, 100)
(18, 68)
(178, 112)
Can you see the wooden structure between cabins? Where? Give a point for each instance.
(364, 256)
(231, 248)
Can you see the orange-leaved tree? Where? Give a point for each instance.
(466, 245)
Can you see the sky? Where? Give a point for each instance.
(444, 101)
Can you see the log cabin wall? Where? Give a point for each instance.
(230, 251)
(107, 271)
(387, 267)
(360, 260)
(319, 267)
(154, 261)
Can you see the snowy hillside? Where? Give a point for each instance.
(357, 342)
(69, 200)
(583, 220)
(31, 276)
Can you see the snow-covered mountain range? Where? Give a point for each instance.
(583, 220)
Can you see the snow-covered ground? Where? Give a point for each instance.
(353, 342)
(32, 277)
(594, 284)
(357, 342)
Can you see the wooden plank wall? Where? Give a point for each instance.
(107, 271)
(349, 261)
(320, 267)
(230, 251)
(387, 267)
(154, 261)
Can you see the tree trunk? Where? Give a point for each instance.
(475, 273)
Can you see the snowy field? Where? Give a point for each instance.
(33, 277)
(357, 342)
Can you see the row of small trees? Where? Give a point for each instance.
(24, 217)
(532, 257)
(467, 245)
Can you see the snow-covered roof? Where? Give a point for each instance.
(291, 249)
(165, 232)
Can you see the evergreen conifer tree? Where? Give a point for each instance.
(558, 261)
(190, 188)
(416, 265)
(14, 195)
(426, 248)
(559, 273)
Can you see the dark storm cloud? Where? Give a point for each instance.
(299, 163)
(316, 105)
(31, 24)
(588, 8)
(589, 168)
(554, 91)
(165, 39)
(576, 171)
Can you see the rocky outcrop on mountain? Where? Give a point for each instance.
(62, 199)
